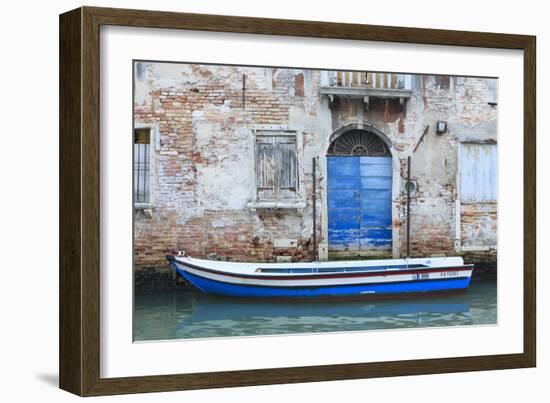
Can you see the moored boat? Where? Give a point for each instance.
(342, 279)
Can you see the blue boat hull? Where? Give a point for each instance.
(333, 291)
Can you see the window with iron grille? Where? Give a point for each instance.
(276, 167)
(142, 166)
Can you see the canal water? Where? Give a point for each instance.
(186, 313)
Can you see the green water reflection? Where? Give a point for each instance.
(183, 314)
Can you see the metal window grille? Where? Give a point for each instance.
(142, 165)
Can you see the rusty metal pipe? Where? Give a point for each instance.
(409, 206)
(314, 200)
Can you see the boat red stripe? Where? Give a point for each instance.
(332, 275)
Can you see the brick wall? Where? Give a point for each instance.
(201, 191)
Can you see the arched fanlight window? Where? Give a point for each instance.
(359, 142)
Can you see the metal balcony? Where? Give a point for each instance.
(363, 84)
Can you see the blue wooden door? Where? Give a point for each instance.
(359, 205)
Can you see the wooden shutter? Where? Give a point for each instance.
(276, 167)
(265, 167)
(286, 166)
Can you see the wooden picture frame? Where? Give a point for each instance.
(80, 184)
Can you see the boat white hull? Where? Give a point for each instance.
(326, 279)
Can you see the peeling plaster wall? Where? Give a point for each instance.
(204, 160)
(464, 104)
(204, 166)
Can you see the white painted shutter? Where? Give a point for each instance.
(478, 172)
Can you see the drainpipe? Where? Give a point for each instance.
(409, 206)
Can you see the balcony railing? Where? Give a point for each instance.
(366, 79)
(366, 84)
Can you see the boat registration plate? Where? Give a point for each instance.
(449, 274)
(421, 276)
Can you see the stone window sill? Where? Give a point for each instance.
(282, 205)
(145, 208)
(142, 206)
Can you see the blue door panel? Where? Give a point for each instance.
(375, 239)
(344, 182)
(378, 205)
(342, 219)
(376, 194)
(376, 170)
(345, 237)
(375, 182)
(376, 160)
(344, 202)
(370, 220)
(343, 166)
(345, 194)
(359, 203)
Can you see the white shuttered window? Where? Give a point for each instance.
(478, 172)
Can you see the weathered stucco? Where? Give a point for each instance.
(204, 167)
